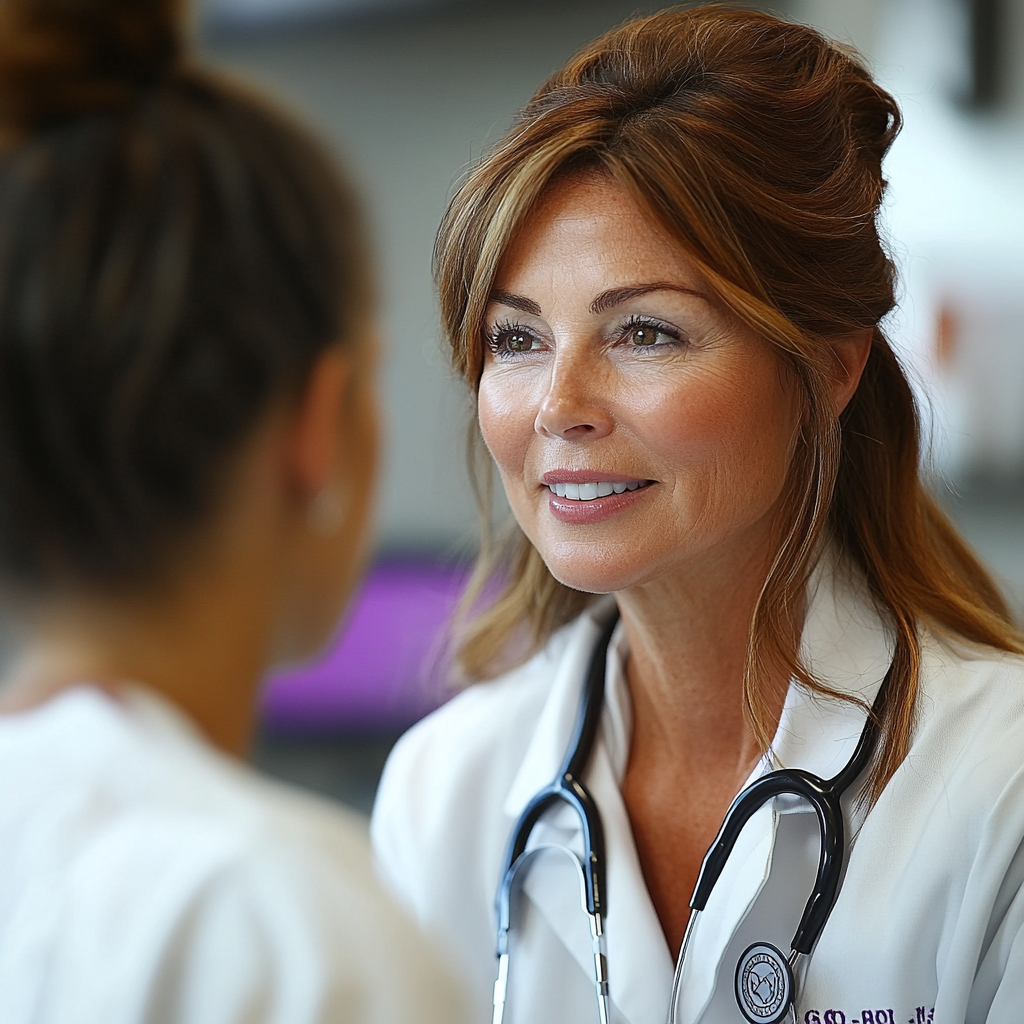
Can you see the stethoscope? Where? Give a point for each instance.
(765, 980)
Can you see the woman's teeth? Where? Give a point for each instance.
(590, 491)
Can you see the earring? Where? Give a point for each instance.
(327, 511)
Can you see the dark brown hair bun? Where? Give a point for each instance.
(64, 58)
(174, 255)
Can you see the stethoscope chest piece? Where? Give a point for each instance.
(764, 984)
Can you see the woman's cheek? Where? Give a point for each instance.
(756, 429)
(506, 423)
(727, 436)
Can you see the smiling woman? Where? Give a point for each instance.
(653, 393)
(667, 289)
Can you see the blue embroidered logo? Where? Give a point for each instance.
(764, 984)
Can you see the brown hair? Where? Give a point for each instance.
(173, 255)
(757, 145)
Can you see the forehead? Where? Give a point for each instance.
(589, 229)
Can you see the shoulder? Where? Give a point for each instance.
(309, 923)
(963, 775)
(265, 927)
(470, 748)
(484, 728)
(440, 823)
(207, 828)
(160, 862)
(473, 745)
(143, 771)
(971, 697)
(940, 857)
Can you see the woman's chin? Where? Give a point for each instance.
(594, 576)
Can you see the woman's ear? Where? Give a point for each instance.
(851, 353)
(311, 455)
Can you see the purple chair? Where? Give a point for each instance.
(385, 669)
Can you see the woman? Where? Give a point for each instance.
(187, 440)
(666, 287)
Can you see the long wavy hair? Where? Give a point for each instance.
(757, 145)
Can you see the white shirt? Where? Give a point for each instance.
(146, 878)
(929, 924)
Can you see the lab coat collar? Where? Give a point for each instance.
(845, 644)
(551, 736)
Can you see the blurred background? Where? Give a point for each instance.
(409, 92)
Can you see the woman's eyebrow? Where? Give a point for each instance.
(605, 301)
(519, 302)
(616, 296)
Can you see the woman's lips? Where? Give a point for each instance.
(590, 489)
(576, 497)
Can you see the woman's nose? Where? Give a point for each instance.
(573, 408)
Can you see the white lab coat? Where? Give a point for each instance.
(929, 925)
(147, 879)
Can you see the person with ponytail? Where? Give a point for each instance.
(667, 290)
(187, 445)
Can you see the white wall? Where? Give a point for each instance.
(955, 217)
(409, 103)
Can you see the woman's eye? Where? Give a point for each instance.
(518, 341)
(645, 335)
(511, 339)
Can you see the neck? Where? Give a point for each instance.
(202, 646)
(688, 636)
(692, 746)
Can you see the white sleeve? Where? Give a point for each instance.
(393, 823)
(1008, 1001)
(253, 932)
(997, 994)
(301, 943)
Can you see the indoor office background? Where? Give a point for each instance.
(410, 92)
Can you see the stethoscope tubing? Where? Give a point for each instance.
(568, 788)
(573, 793)
(824, 795)
(597, 934)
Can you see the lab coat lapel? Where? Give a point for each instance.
(740, 884)
(640, 966)
(551, 736)
(639, 961)
(549, 886)
(846, 645)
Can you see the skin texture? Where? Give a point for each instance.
(706, 414)
(263, 581)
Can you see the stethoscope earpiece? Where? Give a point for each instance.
(764, 984)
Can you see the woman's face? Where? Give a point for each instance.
(640, 430)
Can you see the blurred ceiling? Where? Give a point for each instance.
(256, 13)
